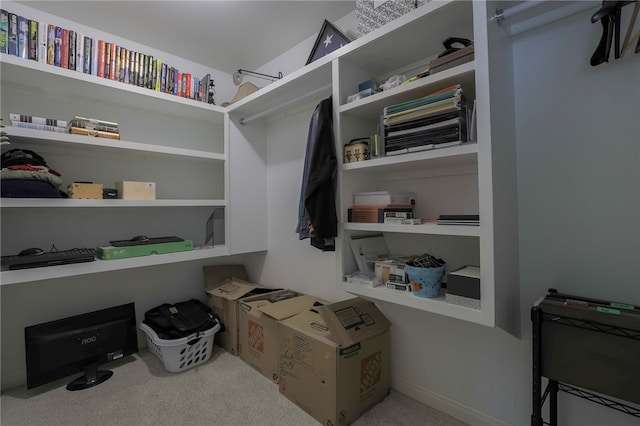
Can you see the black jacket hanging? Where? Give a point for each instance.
(317, 217)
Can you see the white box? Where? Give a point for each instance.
(384, 198)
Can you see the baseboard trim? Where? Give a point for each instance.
(454, 408)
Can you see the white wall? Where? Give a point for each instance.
(578, 142)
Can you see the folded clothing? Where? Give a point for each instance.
(28, 188)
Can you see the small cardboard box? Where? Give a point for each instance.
(129, 190)
(85, 190)
(334, 360)
(258, 319)
(223, 301)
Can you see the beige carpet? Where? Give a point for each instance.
(222, 391)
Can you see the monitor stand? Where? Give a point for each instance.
(92, 377)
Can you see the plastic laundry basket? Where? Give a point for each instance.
(181, 354)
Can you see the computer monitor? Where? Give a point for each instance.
(80, 343)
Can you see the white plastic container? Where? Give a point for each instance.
(181, 354)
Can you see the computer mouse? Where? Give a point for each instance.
(33, 251)
(142, 238)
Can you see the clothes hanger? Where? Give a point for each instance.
(609, 15)
(628, 40)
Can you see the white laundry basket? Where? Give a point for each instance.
(181, 354)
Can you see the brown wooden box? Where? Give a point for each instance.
(85, 190)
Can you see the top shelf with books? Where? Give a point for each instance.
(27, 75)
(372, 106)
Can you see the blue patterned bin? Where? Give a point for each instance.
(425, 282)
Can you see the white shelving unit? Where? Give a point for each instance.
(454, 180)
(178, 143)
(206, 143)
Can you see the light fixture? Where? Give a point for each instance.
(237, 76)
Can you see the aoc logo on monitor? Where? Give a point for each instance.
(88, 340)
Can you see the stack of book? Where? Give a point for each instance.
(459, 57)
(94, 127)
(459, 219)
(382, 207)
(38, 123)
(437, 120)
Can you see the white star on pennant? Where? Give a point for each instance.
(327, 41)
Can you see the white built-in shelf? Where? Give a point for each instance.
(26, 75)
(112, 203)
(436, 305)
(371, 106)
(44, 138)
(429, 228)
(311, 80)
(99, 266)
(463, 155)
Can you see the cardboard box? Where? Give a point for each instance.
(85, 190)
(223, 301)
(258, 318)
(374, 214)
(334, 360)
(129, 190)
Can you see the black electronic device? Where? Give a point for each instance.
(36, 258)
(140, 240)
(84, 342)
(33, 251)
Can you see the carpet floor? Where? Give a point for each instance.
(222, 391)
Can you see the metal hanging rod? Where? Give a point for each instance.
(502, 14)
(243, 121)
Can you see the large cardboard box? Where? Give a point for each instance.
(224, 303)
(226, 284)
(334, 360)
(258, 318)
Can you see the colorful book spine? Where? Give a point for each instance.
(42, 42)
(79, 52)
(51, 44)
(88, 48)
(12, 40)
(23, 37)
(4, 30)
(33, 39)
(57, 54)
(102, 57)
(113, 68)
(64, 49)
(94, 57)
(71, 63)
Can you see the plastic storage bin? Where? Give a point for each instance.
(181, 354)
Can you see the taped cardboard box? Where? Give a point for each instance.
(258, 317)
(224, 302)
(334, 360)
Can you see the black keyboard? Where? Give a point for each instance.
(155, 240)
(50, 258)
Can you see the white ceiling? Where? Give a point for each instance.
(225, 35)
